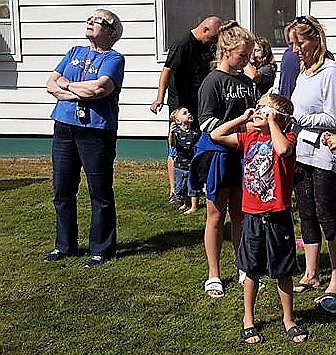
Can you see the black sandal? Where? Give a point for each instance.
(296, 331)
(251, 332)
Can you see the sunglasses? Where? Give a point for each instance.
(304, 20)
(265, 109)
(100, 21)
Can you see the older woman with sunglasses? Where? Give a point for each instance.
(315, 178)
(86, 84)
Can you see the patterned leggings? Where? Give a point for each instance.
(315, 191)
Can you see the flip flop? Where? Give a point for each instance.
(214, 284)
(327, 302)
(325, 295)
(295, 331)
(251, 332)
(304, 287)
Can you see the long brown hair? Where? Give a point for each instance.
(268, 57)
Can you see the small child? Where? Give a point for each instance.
(268, 241)
(183, 138)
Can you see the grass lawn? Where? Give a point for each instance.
(148, 301)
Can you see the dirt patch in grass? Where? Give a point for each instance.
(43, 168)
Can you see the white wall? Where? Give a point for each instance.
(50, 27)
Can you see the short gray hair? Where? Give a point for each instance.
(115, 22)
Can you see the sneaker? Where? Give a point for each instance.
(55, 255)
(94, 261)
(172, 199)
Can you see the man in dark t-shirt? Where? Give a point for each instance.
(187, 64)
(190, 61)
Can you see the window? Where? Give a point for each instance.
(278, 13)
(176, 17)
(265, 18)
(9, 31)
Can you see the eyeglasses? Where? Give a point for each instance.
(100, 21)
(265, 109)
(304, 20)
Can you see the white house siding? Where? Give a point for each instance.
(325, 12)
(50, 27)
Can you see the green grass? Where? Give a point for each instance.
(148, 301)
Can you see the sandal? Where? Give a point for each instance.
(296, 331)
(327, 302)
(325, 295)
(251, 332)
(304, 287)
(214, 287)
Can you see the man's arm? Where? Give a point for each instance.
(163, 84)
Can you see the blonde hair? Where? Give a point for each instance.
(280, 103)
(174, 114)
(310, 28)
(231, 36)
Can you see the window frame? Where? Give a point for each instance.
(15, 46)
(244, 13)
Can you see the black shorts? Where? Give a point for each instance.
(268, 245)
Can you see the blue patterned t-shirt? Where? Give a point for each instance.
(82, 64)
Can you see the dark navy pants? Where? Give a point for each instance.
(93, 149)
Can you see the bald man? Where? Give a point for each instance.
(187, 64)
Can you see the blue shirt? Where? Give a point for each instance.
(289, 71)
(82, 64)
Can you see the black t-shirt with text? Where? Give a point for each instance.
(223, 97)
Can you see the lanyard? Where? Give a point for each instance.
(87, 63)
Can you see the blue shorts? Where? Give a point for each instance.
(268, 245)
(182, 184)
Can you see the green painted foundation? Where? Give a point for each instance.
(127, 149)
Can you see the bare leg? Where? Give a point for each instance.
(312, 256)
(194, 205)
(251, 285)
(216, 213)
(187, 201)
(170, 168)
(285, 289)
(332, 256)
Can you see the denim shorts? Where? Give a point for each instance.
(268, 245)
(182, 183)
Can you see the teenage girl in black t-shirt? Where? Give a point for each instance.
(224, 95)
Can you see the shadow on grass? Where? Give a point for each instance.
(13, 184)
(161, 242)
(316, 315)
(306, 317)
